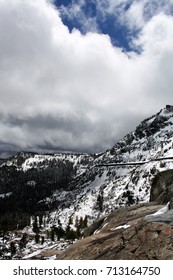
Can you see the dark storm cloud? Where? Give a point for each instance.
(70, 123)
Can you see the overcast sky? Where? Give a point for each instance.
(78, 75)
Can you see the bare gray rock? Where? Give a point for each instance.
(127, 234)
(162, 187)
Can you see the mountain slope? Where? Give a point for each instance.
(91, 188)
(102, 188)
(67, 187)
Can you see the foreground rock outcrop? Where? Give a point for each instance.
(162, 187)
(131, 233)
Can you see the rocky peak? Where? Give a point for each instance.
(169, 109)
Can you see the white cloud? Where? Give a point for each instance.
(133, 17)
(75, 11)
(156, 40)
(156, 36)
(133, 14)
(73, 91)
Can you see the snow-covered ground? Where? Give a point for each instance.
(46, 250)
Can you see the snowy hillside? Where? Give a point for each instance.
(74, 186)
(114, 186)
(26, 161)
(97, 189)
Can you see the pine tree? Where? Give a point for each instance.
(37, 238)
(70, 233)
(100, 201)
(81, 222)
(59, 230)
(42, 240)
(40, 220)
(13, 248)
(23, 241)
(52, 234)
(70, 221)
(35, 227)
(85, 222)
(78, 228)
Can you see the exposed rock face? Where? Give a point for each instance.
(162, 187)
(127, 234)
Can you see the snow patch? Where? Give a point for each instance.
(120, 227)
(3, 195)
(161, 211)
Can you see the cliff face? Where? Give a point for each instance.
(162, 187)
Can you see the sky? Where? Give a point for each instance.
(79, 75)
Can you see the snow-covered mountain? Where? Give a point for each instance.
(74, 186)
(102, 188)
